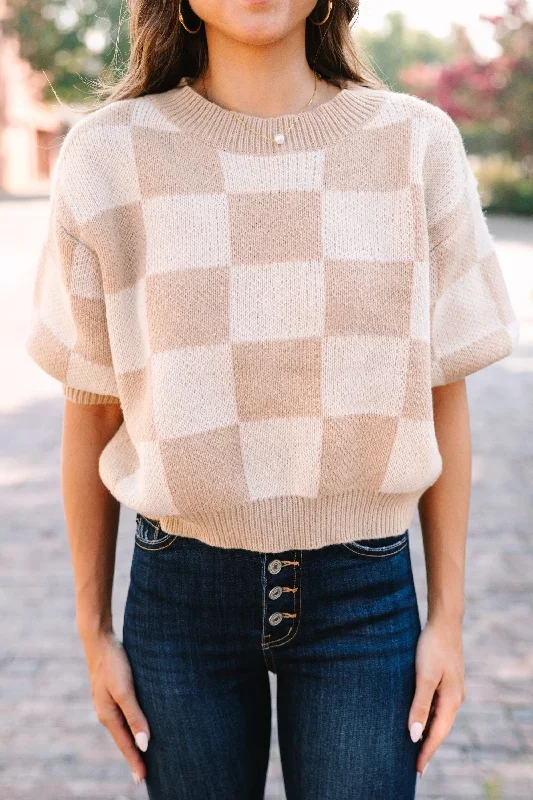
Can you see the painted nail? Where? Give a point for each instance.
(136, 779)
(416, 731)
(141, 740)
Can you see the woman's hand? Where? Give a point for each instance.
(114, 699)
(439, 686)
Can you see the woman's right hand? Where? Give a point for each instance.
(114, 699)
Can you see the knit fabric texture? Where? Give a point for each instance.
(270, 318)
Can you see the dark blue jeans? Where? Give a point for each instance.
(338, 625)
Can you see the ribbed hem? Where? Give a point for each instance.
(333, 119)
(89, 398)
(286, 523)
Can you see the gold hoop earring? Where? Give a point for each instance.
(330, 6)
(180, 17)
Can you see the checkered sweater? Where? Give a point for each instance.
(270, 317)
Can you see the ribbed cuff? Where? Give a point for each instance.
(88, 398)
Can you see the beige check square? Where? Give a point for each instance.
(355, 288)
(279, 378)
(274, 226)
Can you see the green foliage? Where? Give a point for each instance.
(72, 41)
(491, 789)
(504, 187)
(480, 137)
(397, 46)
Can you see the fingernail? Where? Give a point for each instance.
(136, 779)
(416, 731)
(141, 740)
(423, 771)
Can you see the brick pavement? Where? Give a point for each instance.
(52, 747)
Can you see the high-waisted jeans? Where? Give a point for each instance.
(337, 625)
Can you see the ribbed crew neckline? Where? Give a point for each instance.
(330, 121)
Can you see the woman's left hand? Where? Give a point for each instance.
(439, 686)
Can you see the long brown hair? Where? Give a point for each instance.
(162, 52)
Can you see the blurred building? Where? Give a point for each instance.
(30, 130)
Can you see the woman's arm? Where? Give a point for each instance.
(444, 509)
(92, 516)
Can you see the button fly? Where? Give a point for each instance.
(275, 592)
(275, 618)
(274, 566)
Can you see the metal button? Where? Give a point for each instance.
(275, 592)
(275, 566)
(275, 618)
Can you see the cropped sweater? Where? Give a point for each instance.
(271, 318)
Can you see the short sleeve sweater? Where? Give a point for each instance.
(270, 317)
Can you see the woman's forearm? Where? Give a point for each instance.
(92, 516)
(444, 519)
(444, 507)
(91, 512)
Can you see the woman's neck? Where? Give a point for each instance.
(265, 81)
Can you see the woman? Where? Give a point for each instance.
(265, 281)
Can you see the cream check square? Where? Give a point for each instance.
(54, 306)
(464, 313)
(282, 456)
(389, 115)
(452, 162)
(419, 139)
(492, 275)
(380, 228)
(147, 115)
(420, 302)
(45, 349)
(184, 231)
(131, 344)
(284, 172)
(146, 488)
(415, 462)
(277, 301)
(364, 374)
(84, 374)
(454, 253)
(463, 361)
(115, 183)
(193, 390)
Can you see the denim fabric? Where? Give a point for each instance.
(203, 626)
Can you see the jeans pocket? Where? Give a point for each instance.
(379, 547)
(149, 536)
